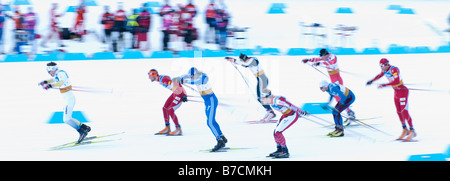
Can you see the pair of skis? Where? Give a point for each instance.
(224, 149)
(86, 141)
(404, 140)
(347, 121)
(262, 121)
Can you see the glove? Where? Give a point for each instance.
(184, 98)
(369, 82)
(381, 86)
(317, 64)
(304, 113)
(43, 83)
(231, 59)
(47, 86)
(305, 60)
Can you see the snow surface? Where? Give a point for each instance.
(134, 106)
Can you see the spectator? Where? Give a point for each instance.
(186, 27)
(29, 25)
(190, 8)
(17, 17)
(19, 35)
(166, 12)
(222, 19)
(108, 23)
(78, 28)
(144, 20)
(120, 21)
(211, 21)
(448, 30)
(2, 21)
(132, 27)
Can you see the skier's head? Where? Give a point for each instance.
(323, 85)
(384, 64)
(243, 57)
(192, 72)
(323, 52)
(153, 74)
(52, 68)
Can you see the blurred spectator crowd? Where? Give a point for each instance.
(177, 25)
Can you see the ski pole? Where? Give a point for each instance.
(353, 132)
(191, 88)
(245, 80)
(91, 89)
(318, 70)
(220, 104)
(359, 122)
(74, 88)
(365, 124)
(428, 90)
(346, 72)
(314, 121)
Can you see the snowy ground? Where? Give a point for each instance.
(134, 106)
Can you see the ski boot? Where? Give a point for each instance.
(283, 154)
(338, 132)
(411, 134)
(277, 152)
(405, 132)
(351, 117)
(83, 130)
(177, 132)
(220, 143)
(164, 131)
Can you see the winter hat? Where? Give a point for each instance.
(323, 83)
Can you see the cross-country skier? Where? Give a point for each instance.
(401, 93)
(201, 80)
(330, 61)
(253, 64)
(346, 99)
(60, 80)
(172, 103)
(291, 113)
